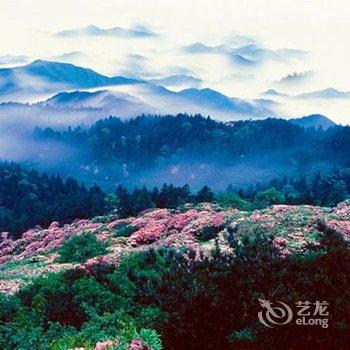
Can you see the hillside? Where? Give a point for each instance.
(29, 198)
(43, 76)
(314, 121)
(196, 227)
(169, 265)
(152, 150)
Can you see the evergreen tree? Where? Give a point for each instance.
(205, 195)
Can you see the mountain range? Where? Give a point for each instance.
(329, 93)
(63, 85)
(144, 98)
(43, 77)
(324, 94)
(92, 30)
(63, 91)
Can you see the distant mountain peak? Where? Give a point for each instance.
(42, 76)
(273, 92)
(92, 30)
(39, 61)
(314, 121)
(328, 93)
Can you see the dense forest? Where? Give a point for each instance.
(323, 189)
(296, 165)
(194, 150)
(146, 139)
(30, 198)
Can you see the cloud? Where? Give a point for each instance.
(10, 59)
(179, 80)
(136, 66)
(68, 56)
(240, 40)
(119, 32)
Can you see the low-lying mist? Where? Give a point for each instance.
(152, 150)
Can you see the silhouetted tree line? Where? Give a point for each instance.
(130, 203)
(29, 198)
(324, 189)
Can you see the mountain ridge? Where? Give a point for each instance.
(314, 121)
(42, 76)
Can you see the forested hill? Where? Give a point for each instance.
(147, 138)
(29, 198)
(196, 150)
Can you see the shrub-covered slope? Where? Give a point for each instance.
(187, 278)
(292, 229)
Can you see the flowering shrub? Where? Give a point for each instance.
(101, 263)
(108, 344)
(280, 244)
(295, 229)
(342, 227)
(208, 232)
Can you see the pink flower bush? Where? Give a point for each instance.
(42, 241)
(280, 244)
(106, 260)
(180, 221)
(154, 225)
(108, 344)
(136, 344)
(294, 230)
(342, 210)
(152, 232)
(341, 226)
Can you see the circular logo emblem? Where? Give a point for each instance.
(271, 315)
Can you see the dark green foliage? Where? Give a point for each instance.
(205, 195)
(81, 248)
(231, 199)
(146, 141)
(194, 304)
(130, 203)
(29, 198)
(8, 305)
(124, 231)
(208, 232)
(325, 189)
(268, 197)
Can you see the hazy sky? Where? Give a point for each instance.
(320, 28)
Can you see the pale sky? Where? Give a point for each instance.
(321, 28)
